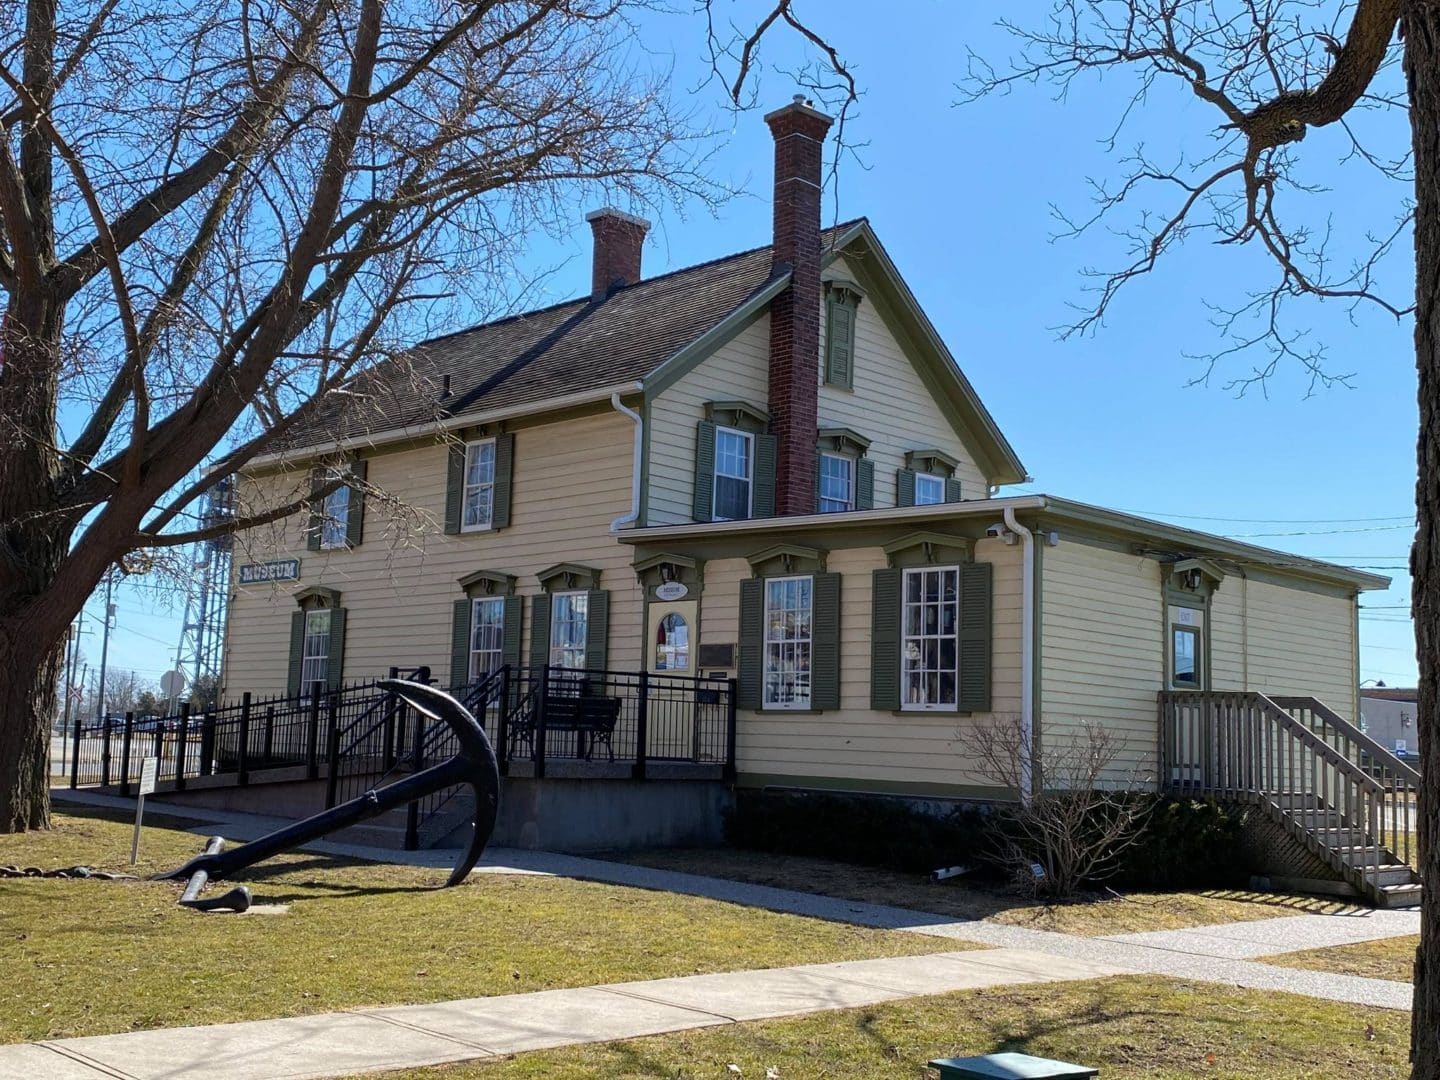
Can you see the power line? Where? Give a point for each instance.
(1326, 532)
(1408, 518)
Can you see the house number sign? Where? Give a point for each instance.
(671, 590)
(279, 570)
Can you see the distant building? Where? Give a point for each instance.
(1387, 715)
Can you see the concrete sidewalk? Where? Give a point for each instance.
(1223, 954)
(334, 1044)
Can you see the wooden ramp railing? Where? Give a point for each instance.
(1348, 798)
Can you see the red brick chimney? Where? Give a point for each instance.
(618, 239)
(799, 132)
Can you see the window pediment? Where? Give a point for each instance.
(929, 549)
(740, 415)
(488, 583)
(840, 440)
(565, 577)
(932, 461)
(787, 559)
(317, 597)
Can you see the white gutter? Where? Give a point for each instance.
(464, 420)
(1027, 653)
(639, 421)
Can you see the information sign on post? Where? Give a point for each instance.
(149, 770)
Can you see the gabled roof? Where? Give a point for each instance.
(640, 334)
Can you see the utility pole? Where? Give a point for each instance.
(105, 643)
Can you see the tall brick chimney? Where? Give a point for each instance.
(799, 132)
(618, 239)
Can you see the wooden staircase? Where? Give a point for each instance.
(1338, 793)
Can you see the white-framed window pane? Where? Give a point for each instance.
(672, 644)
(1185, 646)
(789, 609)
(335, 518)
(929, 643)
(837, 483)
(569, 620)
(929, 489)
(315, 654)
(487, 636)
(733, 463)
(478, 501)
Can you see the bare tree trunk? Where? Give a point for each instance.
(27, 705)
(1422, 68)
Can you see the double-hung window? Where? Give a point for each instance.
(789, 642)
(734, 474)
(335, 519)
(477, 507)
(929, 639)
(487, 636)
(569, 623)
(837, 483)
(315, 653)
(929, 489)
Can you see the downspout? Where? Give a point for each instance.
(1027, 653)
(634, 514)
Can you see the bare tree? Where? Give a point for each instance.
(1079, 821)
(213, 215)
(122, 690)
(1268, 73)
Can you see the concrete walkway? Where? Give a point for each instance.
(361, 1040)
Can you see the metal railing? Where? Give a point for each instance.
(1315, 767)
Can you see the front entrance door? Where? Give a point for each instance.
(671, 643)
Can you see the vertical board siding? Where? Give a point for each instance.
(1280, 640)
(855, 742)
(570, 480)
(1102, 658)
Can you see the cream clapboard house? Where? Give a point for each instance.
(767, 468)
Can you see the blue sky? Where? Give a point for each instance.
(962, 198)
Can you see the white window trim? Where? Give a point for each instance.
(499, 602)
(851, 480)
(749, 479)
(306, 659)
(788, 706)
(465, 487)
(919, 476)
(339, 523)
(555, 625)
(928, 706)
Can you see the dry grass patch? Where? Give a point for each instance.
(1133, 1028)
(92, 957)
(1093, 916)
(1389, 958)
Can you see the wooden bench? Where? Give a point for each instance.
(592, 718)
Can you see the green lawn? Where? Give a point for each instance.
(1132, 1028)
(1095, 915)
(1390, 958)
(91, 957)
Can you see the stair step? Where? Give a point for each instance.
(1391, 875)
(1394, 896)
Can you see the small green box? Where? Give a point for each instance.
(1010, 1067)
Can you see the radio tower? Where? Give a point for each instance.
(207, 601)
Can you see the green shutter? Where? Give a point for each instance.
(752, 643)
(297, 651)
(504, 470)
(825, 642)
(460, 642)
(952, 490)
(885, 639)
(355, 518)
(317, 511)
(864, 484)
(454, 487)
(905, 487)
(597, 629)
(974, 634)
(762, 492)
(840, 344)
(510, 641)
(540, 631)
(335, 665)
(703, 507)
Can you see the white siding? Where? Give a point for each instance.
(398, 587)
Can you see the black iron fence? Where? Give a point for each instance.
(359, 733)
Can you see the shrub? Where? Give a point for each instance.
(869, 830)
(1187, 844)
